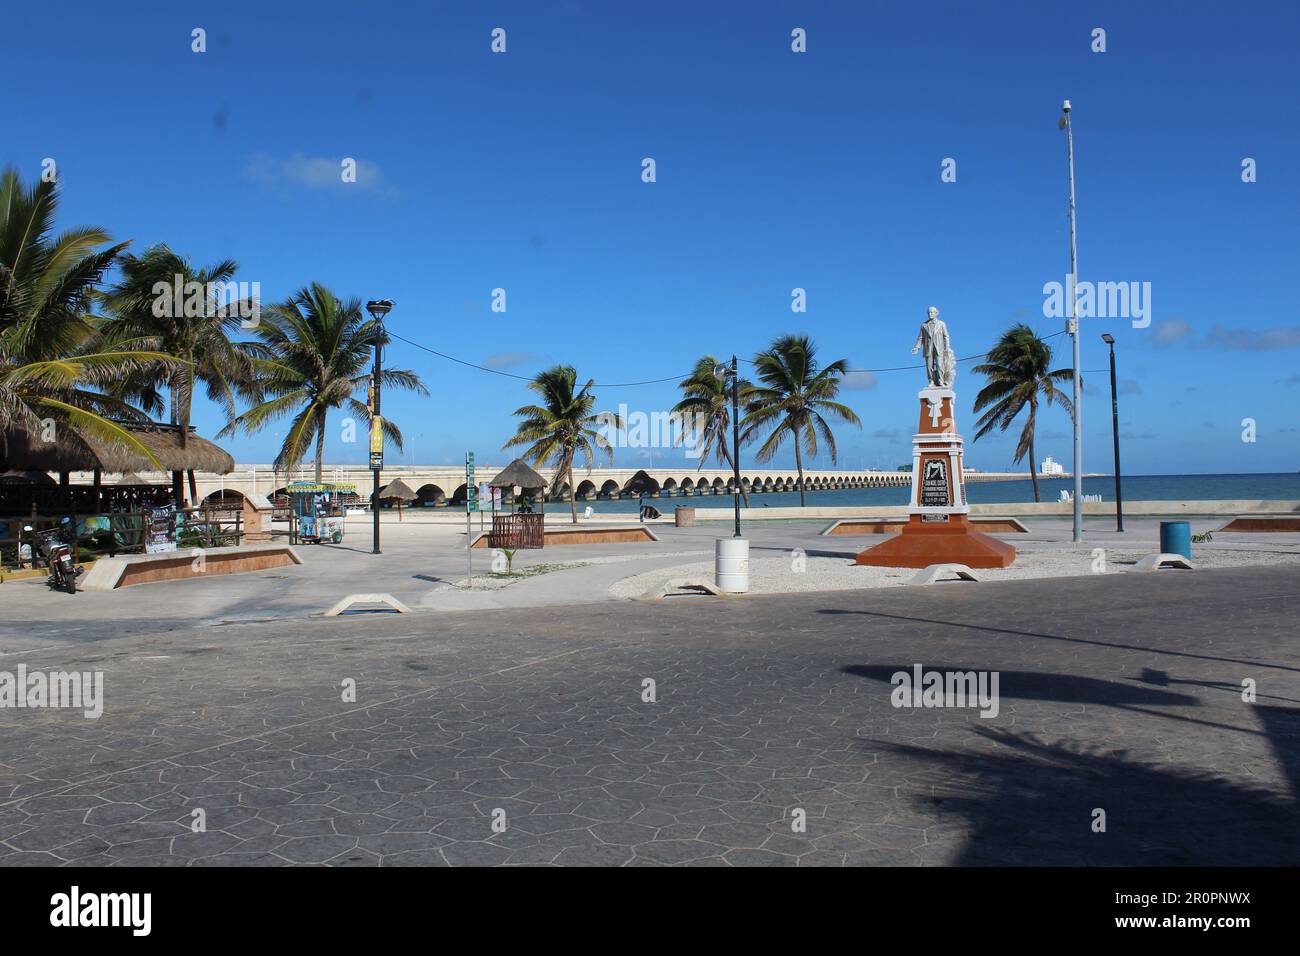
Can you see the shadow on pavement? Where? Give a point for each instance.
(1030, 802)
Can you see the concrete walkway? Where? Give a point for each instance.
(771, 737)
(423, 565)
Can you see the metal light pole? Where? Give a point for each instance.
(378, 308)
(1114, 424)
(1072, 327)
(735, 438)
(721, 371)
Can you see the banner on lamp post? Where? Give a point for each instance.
(376, 443)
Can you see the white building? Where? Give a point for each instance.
(1051, 467)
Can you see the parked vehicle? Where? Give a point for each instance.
(53, 546)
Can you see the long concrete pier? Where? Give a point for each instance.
(445, 484)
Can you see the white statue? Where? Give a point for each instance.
(940, 361)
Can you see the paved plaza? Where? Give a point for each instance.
(525, 736)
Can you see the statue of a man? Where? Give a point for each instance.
(940, 361)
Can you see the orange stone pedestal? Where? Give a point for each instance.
(938, 529)
(921, 544)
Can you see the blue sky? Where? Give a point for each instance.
(775, 170)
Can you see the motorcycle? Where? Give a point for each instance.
(53, 546)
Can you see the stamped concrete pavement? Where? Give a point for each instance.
(530, 736)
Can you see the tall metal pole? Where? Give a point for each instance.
(1072, 327)
(1114, 424)
(735, 437)
(374, 496)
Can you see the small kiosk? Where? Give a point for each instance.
(317, 511)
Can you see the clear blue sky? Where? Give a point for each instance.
(775, 170)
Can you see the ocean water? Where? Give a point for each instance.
(1136, 488)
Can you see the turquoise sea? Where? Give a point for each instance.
(1135, 487)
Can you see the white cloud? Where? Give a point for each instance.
(511, 359)
(313, 172)
(859, 380)
(1169, 331)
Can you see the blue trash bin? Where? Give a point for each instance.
(1176, 538)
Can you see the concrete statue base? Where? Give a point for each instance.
(938, 529)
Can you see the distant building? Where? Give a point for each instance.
(1051, 467)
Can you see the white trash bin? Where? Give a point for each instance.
(731, 565)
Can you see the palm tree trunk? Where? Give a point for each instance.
(1033, 467)
(726, 457)
(798, 463)
(183, 411)
(573, 500)
(320, 447)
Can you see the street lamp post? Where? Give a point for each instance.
(721, 371)
(378, 308)
(1072, 327)
(1114, 425)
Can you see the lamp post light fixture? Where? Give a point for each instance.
(722, 372)
(378, 308)
(1072, 327)
(1114, 424)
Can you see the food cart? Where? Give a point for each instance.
(317, 511)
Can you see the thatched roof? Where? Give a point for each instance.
(397, 488)
(641, 484)
(517, 474)
(82, 453)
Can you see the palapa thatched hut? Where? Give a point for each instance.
(518, 474)
(399, 491)
(73, 451)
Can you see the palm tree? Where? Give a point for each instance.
(1017, 375)
(561, 426)
(313, 355)
(708, 403)
(53, 367)
(151, 311)
(794, 395)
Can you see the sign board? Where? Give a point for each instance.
(160, 530)
(471, 489)
(934, 483)
(376, 442)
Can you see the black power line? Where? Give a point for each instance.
(653, 381)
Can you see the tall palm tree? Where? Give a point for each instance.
(1017, 371)
(53, 365)
(794, 396)
(560, 428)
(312, 357)
(708, 404)
(151, 311)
